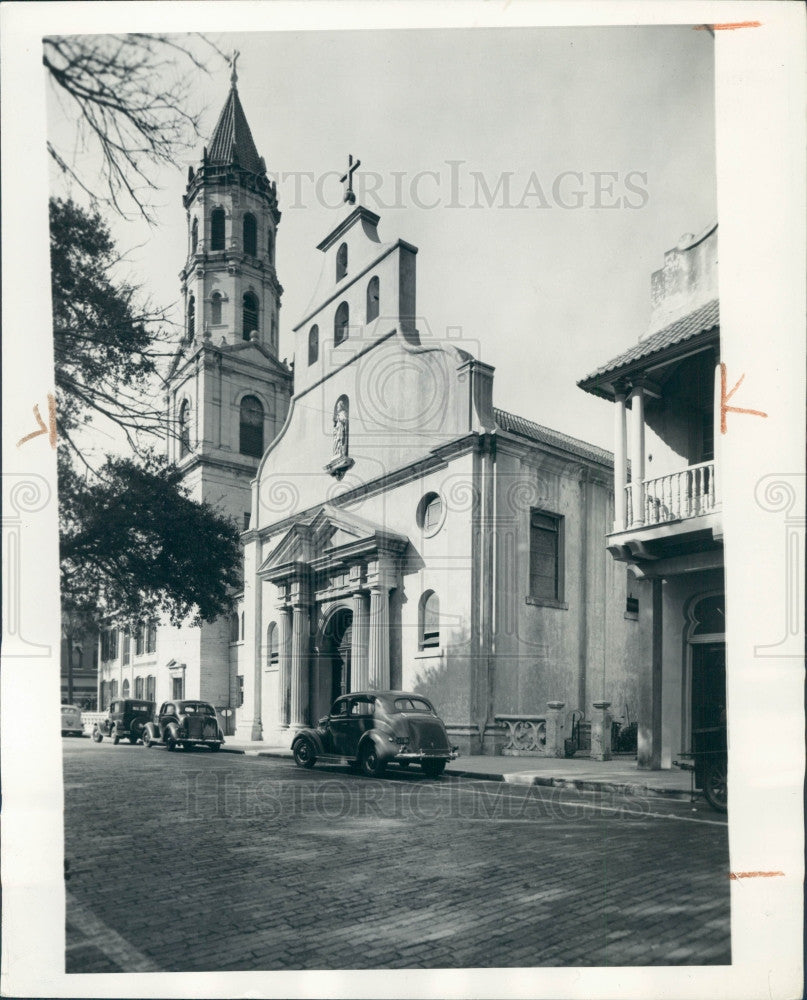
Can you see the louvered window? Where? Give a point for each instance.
(250, 317)
(250, 235)
(251, 427)
(217, 229)
(546, 576)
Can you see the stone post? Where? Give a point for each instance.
(601, 731)
(378, 679)
(284, 616)
(555, 732)
(359, 665)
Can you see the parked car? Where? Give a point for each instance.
(370, 729)
(71, 721)
(125, 720)
(187, 724)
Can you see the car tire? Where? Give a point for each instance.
(170, 743)
(715, 785)
(370, 762)
(214, 746)
(96, 736)
(146, 737)
(433, 768)
(304, 755)
(115, 740)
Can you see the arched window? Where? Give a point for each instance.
(151, 688)
(429, 620)
(250, 235)
(217, 229)
(313, 344)
(125, 689)
(215, 309)
(194, 235)
(340, 323)
(272, 645)
(250, 323)
(341, 262)
(234, 627)
(251, 437)
(191, 317)
(270, 246)
(373, 290)
(184, 429)
(138, 687)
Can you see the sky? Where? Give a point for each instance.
(541, 172)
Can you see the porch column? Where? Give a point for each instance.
(378, 679)
(300, 644)
(637, 456)
(717, 421)
(620, 458)
(284, 625)
(359, 665)
(657, 677)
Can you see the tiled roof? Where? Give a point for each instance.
(701, 320)
(232, 138)
(545, 435)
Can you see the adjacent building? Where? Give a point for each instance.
(667, 526)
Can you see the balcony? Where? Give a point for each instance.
(674, 497)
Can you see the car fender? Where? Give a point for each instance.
(384, 748)
(153, 730)
(314, 737)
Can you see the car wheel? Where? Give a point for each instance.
(715, 785)
(115, 739)
(371, 764)
(304, 755)
(214, 746)
(96, 735)
(146, 737)
(433, 768)
(170, 743)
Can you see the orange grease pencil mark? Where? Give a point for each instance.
(51, 431)
(728, 26)
(736, 875)
(726, 396)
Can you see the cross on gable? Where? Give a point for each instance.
(347, 179)
(232, 61)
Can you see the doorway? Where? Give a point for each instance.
(332, 677)
(708, 706)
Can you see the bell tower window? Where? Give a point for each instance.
(250, 317)
(270, 246)
(191, 317)
(251, 427)
(194, 235)
(373, 289)
(341, 262)
(250, 235)
(313, 344)
(184, 429)
(217, 229)
(340, 323)
(215, 309)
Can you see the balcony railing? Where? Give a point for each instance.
(673, 497)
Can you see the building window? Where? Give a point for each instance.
(429, 620)
(250, 315)
(151, 639)
(270, 246)
(251, 427)
(113, 690)
(191, 318)
(272, 645)
(631, 606)
(234, 627)
(341, 262)
(274, 330)
(372, 299)
(707, 437)
(151, 688)
(250, 235)
(546, 556)
(140, 644)
(242, 625)
(184, 429)
(215, 309)
(709, 615)
(125, 689)
(138, 687)
(127, 646)
(247, 517)
(430, 513)
(340, 323)
(177, 688)
(217, 229)
(239, 692)
(194, 235)
(313, 344)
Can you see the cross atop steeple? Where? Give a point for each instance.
(347, 179)
(232, 61)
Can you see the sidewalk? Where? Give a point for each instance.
(619, 775)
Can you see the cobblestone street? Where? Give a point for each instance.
(194, 861)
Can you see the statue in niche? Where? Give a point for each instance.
(340, 428)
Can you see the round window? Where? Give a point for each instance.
(431, 513)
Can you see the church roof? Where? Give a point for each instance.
(545, 435)
(232, 140)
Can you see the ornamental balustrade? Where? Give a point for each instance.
(526, 735)
(675, 496)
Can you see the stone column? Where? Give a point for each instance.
(555, 733)
(300, 645)
(620, 459)
(359, 663)
(637, 456)
(601, 731)
(378, 679)
(284, 627)
(657, 675)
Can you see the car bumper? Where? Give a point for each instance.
(418, 755)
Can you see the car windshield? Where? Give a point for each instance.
(413, 705)
(189, 708)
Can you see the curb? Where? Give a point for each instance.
(628, 789)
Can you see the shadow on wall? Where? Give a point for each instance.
(446, 680)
